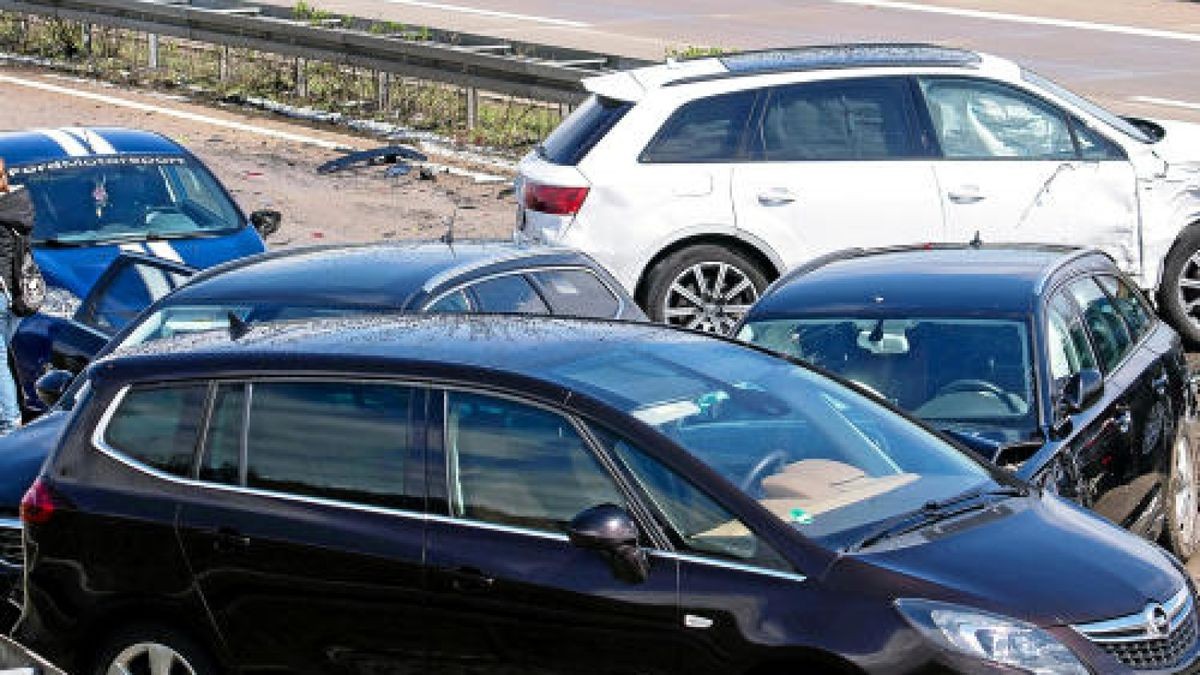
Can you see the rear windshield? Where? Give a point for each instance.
(582, 130)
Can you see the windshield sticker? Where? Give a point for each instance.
(801, 517)
(97, 162)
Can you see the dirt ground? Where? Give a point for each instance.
(263, 171)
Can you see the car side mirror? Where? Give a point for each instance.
(52, 385)
(610, 530)
(266, 222)
(1082, 390)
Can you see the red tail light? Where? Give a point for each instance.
(557, 201)
(37, 507)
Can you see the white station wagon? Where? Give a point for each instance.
(698, 182)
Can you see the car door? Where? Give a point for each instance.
(1119, 476)
(838, 164)
(1014, 167)
(510, 594)
(130, 284)
(305, 530)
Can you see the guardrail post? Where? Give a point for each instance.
(383, 89)
(223, 63)
(85, 38)
(152, 47)
(301, 78)
(472, 108)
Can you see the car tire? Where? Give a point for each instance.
(1181, 533)
(1182, 267)
(706, 287)
(131, 650)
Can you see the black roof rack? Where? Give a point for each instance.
(825, 57)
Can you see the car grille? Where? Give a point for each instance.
(1135, 641)
(10, 542)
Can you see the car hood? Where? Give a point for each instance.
(22, 453)
(78, 268)
(1047, 561)
(1180, 147)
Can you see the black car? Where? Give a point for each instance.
(297, 283)
(455, 494)
(1044, 359)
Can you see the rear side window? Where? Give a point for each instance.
(1110, 336)
(510, 294)
(576, 293)
(222, 458)
(159, 426)
(844, 120)
(1130, 303)
(347, 441)
(582, 130)
(706, 130)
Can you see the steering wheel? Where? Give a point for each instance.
(979, 386)
(769, 464)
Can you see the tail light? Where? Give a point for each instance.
(554, 200)
(38, 504)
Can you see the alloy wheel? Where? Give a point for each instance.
(1184, 500)
(709, 296)
(1188, 287)
(150, 658)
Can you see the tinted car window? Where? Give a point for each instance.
(576, 293)
(705, 130)
(509, 294)
(348, 441)
(582, 130)
(975, 119)
(849, 119)
(1130, 303)
(159, 426)
(1110, 336)
(1066, 341)
(514, 464)
(221, 460)
(454, 302)
(702, 525)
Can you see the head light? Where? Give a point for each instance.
(60, 302)
(991, 637)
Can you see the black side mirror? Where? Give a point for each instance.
(52, 385)
(610, 529)
(266, 222)
(1082, 390)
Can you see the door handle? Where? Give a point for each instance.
(1123, 419)
(227, 539)
(776, 197)
(966, 194)
(1160, 384)
(468, 580)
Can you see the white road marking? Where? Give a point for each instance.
(1168, 102)
(164, 250)
(181, 114)
(67, 142)
(490, 13)
(1025, 18)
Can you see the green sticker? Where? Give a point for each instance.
(801, 517)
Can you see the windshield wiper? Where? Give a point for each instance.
(935, 511)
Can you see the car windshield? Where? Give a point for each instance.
(818, 455)
(186, 319)
(103, 199)
(1087, 106)
(960, 374)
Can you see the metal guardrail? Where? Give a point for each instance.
(522, 70)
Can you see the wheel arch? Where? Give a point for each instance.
(1160, 263)
(760, 254)
(149, 614)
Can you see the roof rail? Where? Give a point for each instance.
(1068, 257)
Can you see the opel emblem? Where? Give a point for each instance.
(1158, 624)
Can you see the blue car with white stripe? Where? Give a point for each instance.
(99, 192)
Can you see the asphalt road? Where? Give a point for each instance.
(1121, 53)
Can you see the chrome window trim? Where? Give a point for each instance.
(729, 565)
(497, 527)
(529, 270)
(10, 524)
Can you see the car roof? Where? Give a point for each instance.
(35, 146)
(525, 346)
(380, 275)
(954, 279)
